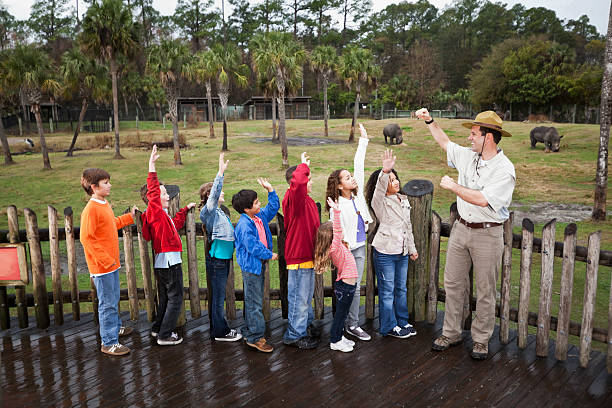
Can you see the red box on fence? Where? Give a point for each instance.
(13, 265)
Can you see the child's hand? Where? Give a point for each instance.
(414, 256)
(153, 159)
(364, 133)
(265, 184)
(388, 161)
(274, 256)
(222, 164)
(305, 159)
(332, 204)
(133, 211)
(191, 205)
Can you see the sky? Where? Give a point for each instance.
(597, 10)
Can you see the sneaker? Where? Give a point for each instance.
(480, 351)
(115, 349)
(401, 332)
(304, 343)
(261, 345)
(347, 341)
(410, 327)
(153, 334)
(173, 340)
(124, 331)
(313, 331)
(233, 335)
(442, 343)
(358, 332)
(341, 346)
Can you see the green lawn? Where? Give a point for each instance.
(563, 177)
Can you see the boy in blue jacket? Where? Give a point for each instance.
(253, 241)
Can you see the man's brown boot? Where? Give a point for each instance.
(442, 343)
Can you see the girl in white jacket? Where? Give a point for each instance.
(355, 219)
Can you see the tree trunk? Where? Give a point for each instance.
(223, 92)
(125, 105)
(8, 159)
(43, 143)
(172, 95)
(224, 147)
(78, 127)
(355, 115)
(113, 66)
(26, 112)
(140, 108)
(325, 118)
(274, 129)
(601, 177)
(282, 135)
(211, 122)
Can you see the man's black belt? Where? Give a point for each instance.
(477, 225)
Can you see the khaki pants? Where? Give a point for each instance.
(483, 248)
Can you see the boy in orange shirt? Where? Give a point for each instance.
(98, 234)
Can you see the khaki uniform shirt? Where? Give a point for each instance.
(494, 178)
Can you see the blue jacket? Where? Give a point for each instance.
(250, 251)
(217, 224)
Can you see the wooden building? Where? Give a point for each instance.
(260, 107)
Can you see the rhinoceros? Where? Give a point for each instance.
(547, 135)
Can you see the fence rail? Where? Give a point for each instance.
(424, 291)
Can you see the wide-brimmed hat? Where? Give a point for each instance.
(488, 119)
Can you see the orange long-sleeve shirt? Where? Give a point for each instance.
(100, 238)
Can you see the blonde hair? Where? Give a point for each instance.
(323, 241)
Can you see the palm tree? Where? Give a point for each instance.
(168, 62)
(324, 60)
(203, 70)
(108, 33)
(357, 66)
(278, 55)
(228, 62)
(86, 78)
(31, 69)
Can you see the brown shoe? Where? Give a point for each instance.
(115, 350)
(124, 331)
(480, 351)
(261, 345)
(443, 343)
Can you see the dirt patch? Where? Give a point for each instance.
(546, 211)
(302, 141)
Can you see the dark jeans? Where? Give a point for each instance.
(344, 297)
(217, 269)
(170, 298)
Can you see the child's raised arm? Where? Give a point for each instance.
(153, 159)
(269, 211)
(358, 161)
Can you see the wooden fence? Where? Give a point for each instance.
(424, 291)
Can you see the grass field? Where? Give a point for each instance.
(563, 177)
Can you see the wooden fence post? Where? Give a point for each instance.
(434, 268)
(56, 270)
(590, 290)
(504, 312)
(130, 270)
(567, 284)
(192, 265)
(525, 282)
(420, 195)
(20, 291)
(41, 303)
(282, 264)
(145, 267)
(72, 265)
(546, 280)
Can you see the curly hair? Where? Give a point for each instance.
(204, 192)
(371, 186)
(323, 241)
(333, 181)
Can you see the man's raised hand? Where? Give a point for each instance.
(423, 113)
(447, 183)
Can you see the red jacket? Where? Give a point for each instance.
(157, 225)
(301, 218)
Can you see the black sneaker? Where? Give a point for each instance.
(304, 343)
(173, 340)
(313, 331)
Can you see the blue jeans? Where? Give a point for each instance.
(254, 322)
(217, 269)
(344, 297)
(170, 298)
(391, 272)
(107, 287)
(300, 288)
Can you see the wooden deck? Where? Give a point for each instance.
(63, 366)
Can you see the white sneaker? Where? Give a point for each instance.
(358, 332)
(341, 346)
(233, 335)
(173, 340)
(347, 341)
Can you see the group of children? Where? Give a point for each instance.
(310, 247)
